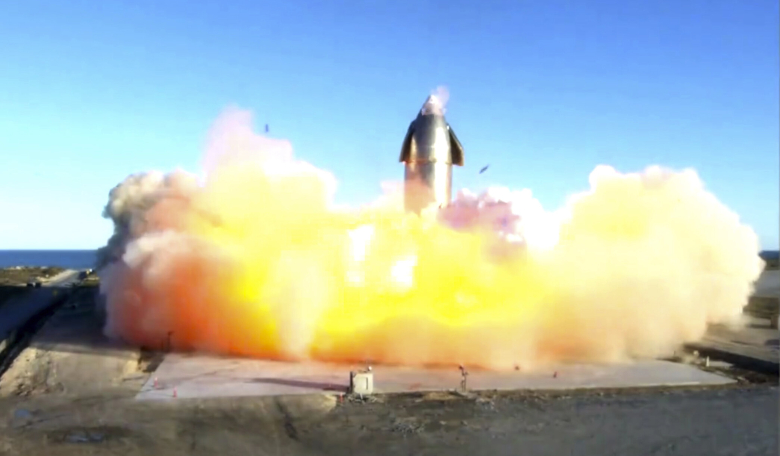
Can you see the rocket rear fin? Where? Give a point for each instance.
(406, 147)
(456, 147)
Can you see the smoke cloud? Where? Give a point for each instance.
(254, 259)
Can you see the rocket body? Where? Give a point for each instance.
(429, 150)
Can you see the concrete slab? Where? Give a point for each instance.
(756, 346)
(768, 284)
(191, 376)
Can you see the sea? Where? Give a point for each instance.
(69, 259)
(83, 259)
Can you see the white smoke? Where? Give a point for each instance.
(255, 261)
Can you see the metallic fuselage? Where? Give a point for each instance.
(428, 152)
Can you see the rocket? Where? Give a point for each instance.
(429, 150)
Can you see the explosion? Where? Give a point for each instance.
(255, 259)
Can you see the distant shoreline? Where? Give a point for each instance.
(67, 259)
(86, 258)
(50, 250)
(762, 253)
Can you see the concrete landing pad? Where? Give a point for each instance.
(200, 376)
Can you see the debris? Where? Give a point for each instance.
(407, 426)
(84, 437)
(361, 399)
(486, 403)
(465, 394)
(21, 418)
(463, 377)
(21, 414)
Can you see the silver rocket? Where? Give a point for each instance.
(429, 150)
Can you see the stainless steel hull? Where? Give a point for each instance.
(427, 184)
(429, 150)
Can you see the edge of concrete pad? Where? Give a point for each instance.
(311, 404)
(763, 306)
(735, 358)
(188, 378)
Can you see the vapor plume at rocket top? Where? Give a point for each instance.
(428, 152)
(635, 266)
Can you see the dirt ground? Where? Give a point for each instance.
(685, 422)
(70, 392)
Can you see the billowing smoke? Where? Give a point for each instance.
(254, 259)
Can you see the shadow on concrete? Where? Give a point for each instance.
(25, 305)
(8, 292)
(764, 324)
(60, 319)
(737, 359)
(300, 384)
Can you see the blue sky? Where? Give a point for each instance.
(542, 90)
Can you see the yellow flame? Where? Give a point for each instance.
(638, 265)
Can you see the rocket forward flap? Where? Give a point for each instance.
(456, 148)
(406, 147)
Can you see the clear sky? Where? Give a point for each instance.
(542, 90)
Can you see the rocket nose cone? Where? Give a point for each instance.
(432, 105)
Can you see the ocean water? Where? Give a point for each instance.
(82, 259)
(71, 259)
